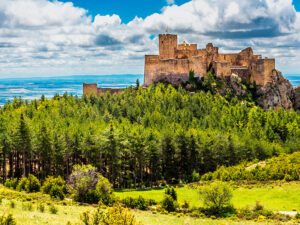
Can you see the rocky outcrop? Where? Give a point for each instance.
(277, 93)
(297, 98)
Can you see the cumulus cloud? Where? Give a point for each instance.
(41, 37)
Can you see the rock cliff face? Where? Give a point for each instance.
(279, 92)
(297, 98)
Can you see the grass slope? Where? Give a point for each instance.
(72, 214)
(285, 197)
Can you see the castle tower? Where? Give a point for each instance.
(167, 46)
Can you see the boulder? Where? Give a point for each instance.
(297, 98)
(279, 92)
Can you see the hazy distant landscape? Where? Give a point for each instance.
(33, 88)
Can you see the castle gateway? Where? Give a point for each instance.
(175, 61)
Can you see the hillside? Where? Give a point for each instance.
(284, 167)
(141, 137)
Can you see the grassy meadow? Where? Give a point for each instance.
(280, 197)
(71, 214)
(284, 197)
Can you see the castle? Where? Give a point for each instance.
(175, 61)
(92, 88)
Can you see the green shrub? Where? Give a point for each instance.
(297, 217)
(216, 196)
(27, 206)
(30, 184)
(7, 220)
(82, 183)
(11, 183)
(115, 215)
(129, 202)
(141, 203)
(171, 191)
(88, 186)
(53, 209)
(104, 190)
(41, 207)
(33, 184)
(50, 182)
(138, 203)
(195, 176)
(22, 184)
(57, 192)
(169, 204)
(12, 204)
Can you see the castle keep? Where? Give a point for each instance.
(175, 61)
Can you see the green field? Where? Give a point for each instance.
(72, 214)
(285, 197)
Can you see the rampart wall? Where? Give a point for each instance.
(89, 89)
(261, 70)
(172, 70)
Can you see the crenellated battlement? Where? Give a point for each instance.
(176, 60)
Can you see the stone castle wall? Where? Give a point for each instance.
(89, 89)
(261, 71)
(175, 61)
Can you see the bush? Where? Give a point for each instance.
(12, 204)
(89, 186)
(11, 183)
(57, 192)
(51, 182)
(171, 192)
(195, 176)
(7, 220)
(104, 190)
(82, 183)
(22, 184)
(169, 204)
(138, 203)
(30, 184)
(113, 216)
(27, 206)
(41, 207)
(33, 184)
(53, 209)
(216, 196)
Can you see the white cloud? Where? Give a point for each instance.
(39, 37)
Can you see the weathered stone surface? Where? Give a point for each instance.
(174, 59)
(89, 89)
(278, 92)
(297, 98)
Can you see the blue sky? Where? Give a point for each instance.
(127, 10)
(101, 37)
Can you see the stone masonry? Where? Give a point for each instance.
(176, 60)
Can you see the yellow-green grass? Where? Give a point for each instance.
(35, 217)
(147, 218)
(71, 214)
(285, 197)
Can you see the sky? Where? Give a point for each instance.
(101, 37)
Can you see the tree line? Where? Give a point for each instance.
(140, 136)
